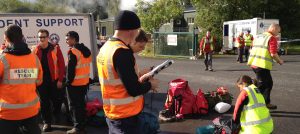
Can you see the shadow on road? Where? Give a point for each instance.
(233, 70)
(285, 114)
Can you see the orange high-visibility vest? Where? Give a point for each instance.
(18, 81)
(117, 103)
(82, 69)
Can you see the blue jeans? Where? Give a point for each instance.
(208, 60)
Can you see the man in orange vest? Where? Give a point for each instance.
(78, 72)
(122, 91)
(20, 73)
(50, 92)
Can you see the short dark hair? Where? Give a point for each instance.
(142, 37)
(14, 34)
(44, 31)
(74, 35)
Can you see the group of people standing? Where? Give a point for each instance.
(33, 81)
(243, 45)
(42, 69)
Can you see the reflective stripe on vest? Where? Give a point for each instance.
(112, 82)
(8, 74)
(260, 55)
(82, 76)
(256, 104)
(251, 123)
(120, 101)
(19, 106)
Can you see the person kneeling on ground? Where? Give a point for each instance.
(250, 109)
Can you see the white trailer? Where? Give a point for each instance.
(57, 25)
(231, 30)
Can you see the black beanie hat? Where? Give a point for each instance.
(127, 20)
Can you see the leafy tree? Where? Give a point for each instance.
(154, 14)
(210, 14)
(113, 7)
(9, 5)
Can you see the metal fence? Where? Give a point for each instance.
(175, 43)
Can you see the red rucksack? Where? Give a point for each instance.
(201, 104)
(180, 98)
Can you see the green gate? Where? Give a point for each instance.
(175, 44)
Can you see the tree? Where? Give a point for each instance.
(212, 13)
(154, 14)
(113, 7)
(9, 5)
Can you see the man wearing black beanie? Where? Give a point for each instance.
(122, 92)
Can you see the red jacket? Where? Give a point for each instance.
(60, 61)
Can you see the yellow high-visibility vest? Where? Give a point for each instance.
(255, 117)
(260, 55)
(248, 40)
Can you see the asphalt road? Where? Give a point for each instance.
(285, 92)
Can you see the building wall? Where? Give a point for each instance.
(189, 17)
(106, 28)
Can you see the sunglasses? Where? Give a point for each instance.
(42, 37)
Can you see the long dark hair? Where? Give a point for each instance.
(247, 80)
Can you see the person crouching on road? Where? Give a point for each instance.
(122, 91)
(19, 103)
(250, 109)
(50, 92)
(78, 72)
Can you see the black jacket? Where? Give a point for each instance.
(18, 49)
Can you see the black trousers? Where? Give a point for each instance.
(208, 60)
(51, 99)
(265, 82)
(30, 125)
(240, 55)
(130, 125)
(76, 100)
(247, 52)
